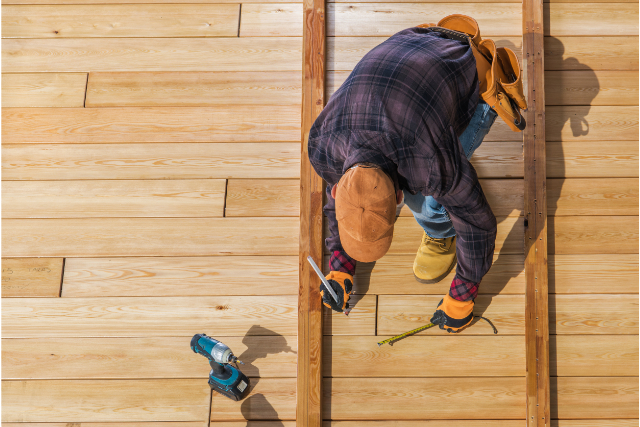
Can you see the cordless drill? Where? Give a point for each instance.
(224, 378)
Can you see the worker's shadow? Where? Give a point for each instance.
(261, 343)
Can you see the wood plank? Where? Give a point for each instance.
(193, 89)
(620, 19)
(595, 423)
(591, 53)
(148, 316)
(133, 424)
(613, 196)
(43, 90)
(114, 237)
(588, 397)
(401, 313)
(586, 123)
(593, 274)
(593, 314)
(152, 54)
(128, 358)
(594, 355)
(343, 53)
(269, 399)
(361, 357)
(593, 235)
(421, 423)
(265, 197)
(239, 123)
(431, 398)
(168, 20)
(262, 20)
(361, 319)
(363, 19)
(150, 161)
(160, 276)
(105, 400)
(131, 1)
(575, 159)
(586, 87)
(112, 198)
(499, 160)
(31, 277)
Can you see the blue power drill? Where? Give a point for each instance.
(224, 378)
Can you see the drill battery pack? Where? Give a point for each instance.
(232, 383)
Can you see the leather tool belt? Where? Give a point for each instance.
(499, 74)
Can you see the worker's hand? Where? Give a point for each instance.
(342, 285)
(453, 315)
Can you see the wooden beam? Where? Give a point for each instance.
(309, 381)
(535, 213)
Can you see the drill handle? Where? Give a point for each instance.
(217, 368)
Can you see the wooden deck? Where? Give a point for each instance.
(151, 165)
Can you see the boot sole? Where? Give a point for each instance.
(438, 279)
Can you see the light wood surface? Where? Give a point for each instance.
(148, 316)
(593, 274)
(132, 424)
(128, 358)
(423, 423)
(593, 235)
(588, 397)
(281, 20)
(578, 159)
(149, 237)
(162, 124)
(587, 123)
(401, 313)
(269, 399)
(593, 314)
(423, 398)
(361, 319)
(586, 87)
(43, 90)
(152, 54)
(499, 159)
(112, 198)
(174, 276)
(362, 19)
(612, 196)
(594, 18)
(193, 89)
(168, 20)
(591, 53)
(24, 162)
(594, 355)
(360, 357)
(264, 197)
(595, 423)
(31, 277)
(105, 400)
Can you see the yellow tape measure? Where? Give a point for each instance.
(391, 340)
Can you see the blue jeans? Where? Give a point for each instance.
(431, 215)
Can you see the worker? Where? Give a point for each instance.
(402, 128)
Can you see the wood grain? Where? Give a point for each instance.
(423, 398)
(586, 87)
(595, 423)
(591, 53)
(269, 399)
(133, 20)
(576, 159)
(279, 20)
(265, 197)
(240, 123)
(105, 400)
(152, 54)
(27, 162)
(420, 423)
(360, 357)
(597, 123)
(148, 316)
(593, 274)
(499, 159)
(401, 313)
(43, 90)
(593, 235)
(31, 277)
(593, 314)
(175, 276)
(362, 19)
(132, 424)
(112, 198)
(620, 19)
(612, 196)
(128, 358)
(588, 397)
(361, 319)
(193, 89)
(593, 356)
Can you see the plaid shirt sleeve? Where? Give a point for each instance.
(339, 261)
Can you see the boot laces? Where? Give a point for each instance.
(430, 240)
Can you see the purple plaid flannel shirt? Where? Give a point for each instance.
(403, 108)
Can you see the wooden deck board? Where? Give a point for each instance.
(591, 53)
(598, 123)
(587, 87)
(263, 198)
(593, 159)
(564, 19)
(594, 355)
(43, 90)
(588, 397)
(269, 399)
(278, 20)
(593, 274)
(31, 277)
(593, 314)
(611, 196)
(361, 320)
(593, 235)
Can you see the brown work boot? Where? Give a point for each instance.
(436, 258)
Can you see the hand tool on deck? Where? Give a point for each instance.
(224, 378)
(326, 283)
